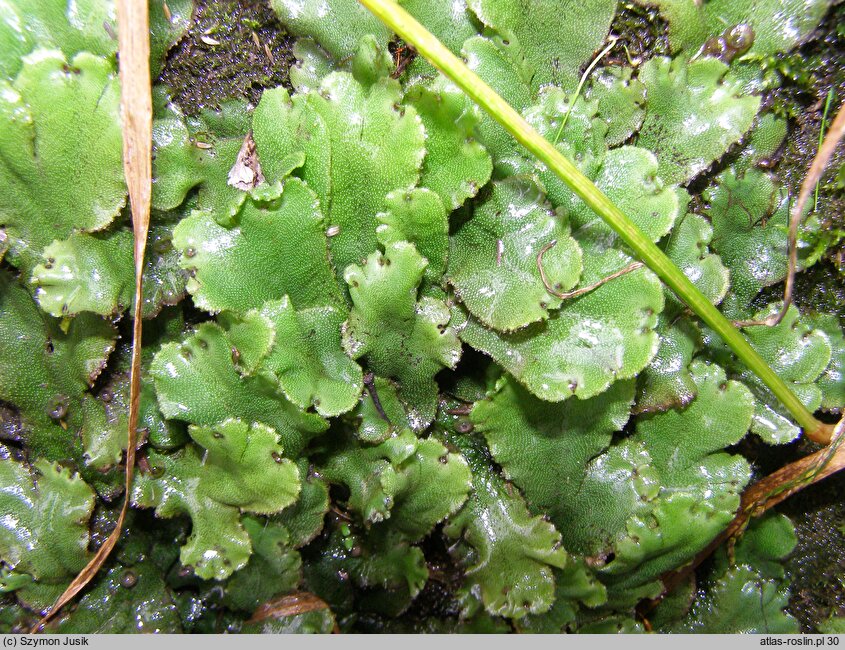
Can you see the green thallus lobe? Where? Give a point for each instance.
(403, 24)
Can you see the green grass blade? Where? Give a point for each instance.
(403, 24)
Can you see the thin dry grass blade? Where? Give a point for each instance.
(137, 114)
(814, 174)
(567, 295)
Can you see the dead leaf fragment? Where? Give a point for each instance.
(246, 172)
(300, 602)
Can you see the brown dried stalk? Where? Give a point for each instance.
(760, 497)
(137, 115)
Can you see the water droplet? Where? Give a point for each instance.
(740, 37)
(128, 579)
(58, 408)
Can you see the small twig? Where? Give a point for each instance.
(814, 174)
(370, 383)
(566, 295)
(340, 513)
(404, 55)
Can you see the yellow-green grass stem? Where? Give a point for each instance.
(426, 44)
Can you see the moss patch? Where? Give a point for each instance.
(642, 34)
(233, 49)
